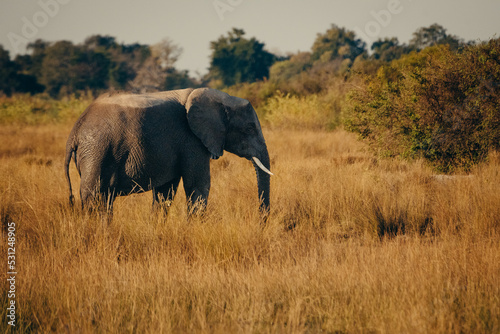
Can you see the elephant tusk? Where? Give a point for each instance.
(261, 166)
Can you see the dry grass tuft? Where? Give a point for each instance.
(353, 244)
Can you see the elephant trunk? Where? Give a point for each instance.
(263, 178)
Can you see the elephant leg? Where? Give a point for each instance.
(163, 196)
(197, 199)
(197, 187)
(96, 193)
(89, 192)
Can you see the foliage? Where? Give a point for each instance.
(312, 111)
(158, 72)
(316, 77)
(99, 63)
(283, 71)
(337, 42)
(236, 59)
(388, 49)
(256, 92)
(177, 79)
(434, 35)
(439, 102)
(12, 79)
(300, 76)
(436, 104)
(295, 112)
(66, 68)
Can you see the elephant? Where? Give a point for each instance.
(127, 143)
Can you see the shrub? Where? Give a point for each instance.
(437, 104)
(295, 112)
(256, 92)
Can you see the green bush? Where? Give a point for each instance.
(437, 104)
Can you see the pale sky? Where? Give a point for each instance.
(283, 25)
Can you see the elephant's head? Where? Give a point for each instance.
(225, 122)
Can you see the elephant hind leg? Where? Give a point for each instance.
(97, 195)
(163, 196)
(98, 201)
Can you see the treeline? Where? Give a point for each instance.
(101, 63)
(337, 54)
(98, 64)
(436, 97)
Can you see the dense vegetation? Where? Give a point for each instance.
(434, 98)
(437, 104)
(99, 63)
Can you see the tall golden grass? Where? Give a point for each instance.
(353, 244)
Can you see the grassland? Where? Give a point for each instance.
(354, 244)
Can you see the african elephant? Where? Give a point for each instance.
(128, 143)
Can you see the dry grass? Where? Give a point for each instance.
(354, 244)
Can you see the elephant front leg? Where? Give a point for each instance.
(195, 173)
(197, 190)
(197, 197)
(163, 196)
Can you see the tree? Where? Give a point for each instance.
(388, 49)
(236, 59)
(434, 35)
(283, 71)
(30, 66)
(166, 53)
(178, 79)
(100, 42)
(36, 54)
(337, 43)
(112, 65)
(11, 80)
(154, 72)
(97, 64)
(90, 70)
(57, 67)
(127, 60)
(8, 72)
(120, 73)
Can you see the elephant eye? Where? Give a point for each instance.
(249, 129)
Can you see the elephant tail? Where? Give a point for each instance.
(70, 149)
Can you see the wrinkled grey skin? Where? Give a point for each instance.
(128, 143)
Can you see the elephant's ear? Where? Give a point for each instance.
(207, 118)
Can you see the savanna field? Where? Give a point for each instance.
(355, 243)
